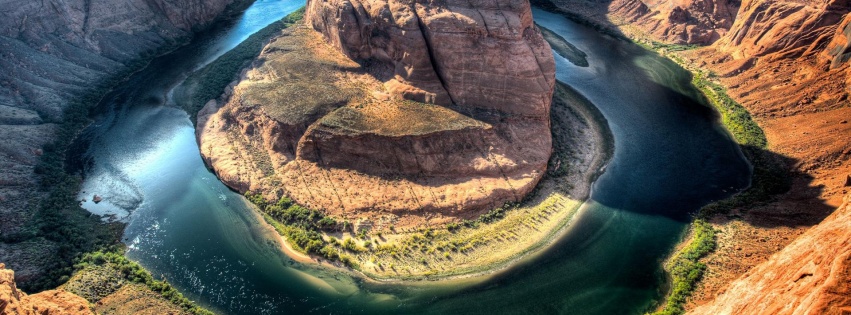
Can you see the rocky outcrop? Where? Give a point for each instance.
(838, 51)
(782, 29)
(700, 22)
(53, 302)
(56, 51)
(484, 55)
(419, 111)
(810, 276)
(690, 21)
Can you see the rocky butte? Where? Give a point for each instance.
(401, 112)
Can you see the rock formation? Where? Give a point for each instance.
(810, 276)
(53, 302)
(52, 52)
(699, 22)
(408, 109)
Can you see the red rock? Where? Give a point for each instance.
(810, 276)
(478, 137)
(52, 302)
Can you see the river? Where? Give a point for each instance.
(671, 157)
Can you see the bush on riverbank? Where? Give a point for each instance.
(686, 269)
(134, 273)
(769, 179)
(302, 228)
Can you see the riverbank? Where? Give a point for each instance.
(459, 248)
(389, 245)
(797, 172)
(497, 239)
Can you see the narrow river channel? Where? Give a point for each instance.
(671, 157)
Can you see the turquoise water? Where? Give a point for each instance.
(671, 157)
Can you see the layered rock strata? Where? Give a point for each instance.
(699, 22)
(810, 276)
(410, 110)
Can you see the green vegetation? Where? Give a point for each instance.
(769, 179)
(686, 269)
(660, 46)
(733, 115)
(58, 217)
(769, 175)
(210, 82)
(303, 228)
(133, 272)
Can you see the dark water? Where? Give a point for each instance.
(671, 157)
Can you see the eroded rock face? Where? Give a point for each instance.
(52, 52)
(700, 22)
(690, 21)
(419, 111)
(783, 28)
(480, 55)
(810, 276)
(53, 302)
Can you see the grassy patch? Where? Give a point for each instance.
(132, 272)
(686, 269)
(303, 228)
(209, 82)
(770, 177)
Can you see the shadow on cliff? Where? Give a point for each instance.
(779, 195)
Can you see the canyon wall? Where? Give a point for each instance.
(54, 52)
(787, 63)
(408, 111)
(810, 276)
(698, 22)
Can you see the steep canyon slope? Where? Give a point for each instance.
(787, 63)
(400, 112)
(52, 54)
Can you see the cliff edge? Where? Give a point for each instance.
(53, 302)
(809, 276)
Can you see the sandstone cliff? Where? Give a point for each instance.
(53, 302)
(787, 63)
(700, 22)
(408, 111)
(810, 276)
(52, 52)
